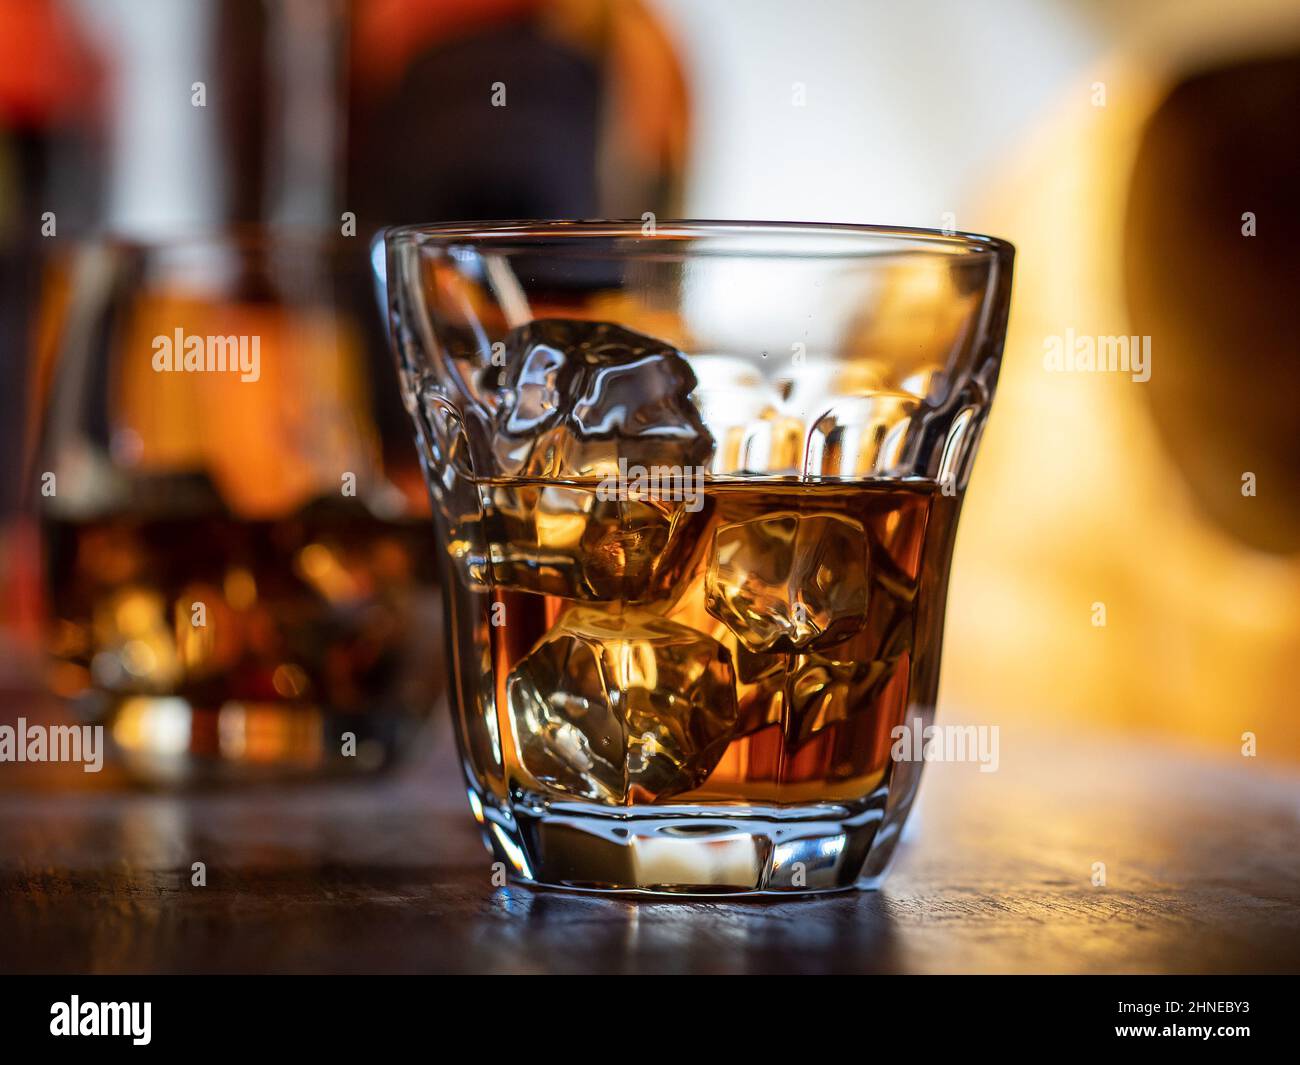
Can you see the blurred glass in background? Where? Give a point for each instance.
(233, 579)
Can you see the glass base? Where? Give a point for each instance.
(691, 850)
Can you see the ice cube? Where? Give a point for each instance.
(622, 708)
(823, 691)
(789, 581)
(566, 540)
(579, 396)
(592, 399)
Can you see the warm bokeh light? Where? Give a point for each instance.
(1076, 500)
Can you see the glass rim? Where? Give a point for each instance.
(860, 241)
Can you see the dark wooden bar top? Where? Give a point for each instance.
(1201, 857)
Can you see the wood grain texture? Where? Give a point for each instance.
(1202, 875)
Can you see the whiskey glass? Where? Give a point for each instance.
(696, 487)
(236, 575)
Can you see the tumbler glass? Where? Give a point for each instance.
(696, 487)
(237, 576)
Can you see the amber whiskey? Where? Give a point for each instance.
(753, 650)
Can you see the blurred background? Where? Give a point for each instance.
(1129, 557)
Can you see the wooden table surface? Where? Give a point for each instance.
(1202, 861)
